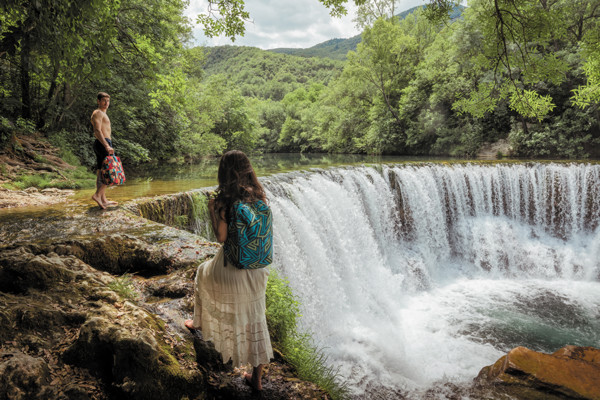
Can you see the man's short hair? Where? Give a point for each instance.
(102, 95)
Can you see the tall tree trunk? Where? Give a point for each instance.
(49, 98)
(25, 79)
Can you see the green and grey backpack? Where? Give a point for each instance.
(249, 243)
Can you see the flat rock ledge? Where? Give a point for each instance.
(571, 372)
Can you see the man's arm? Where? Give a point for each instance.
(97, 124)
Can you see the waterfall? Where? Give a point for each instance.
(411, 275)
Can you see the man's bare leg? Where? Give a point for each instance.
(254, 379)
(100, 188)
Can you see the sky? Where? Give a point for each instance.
(286, 23)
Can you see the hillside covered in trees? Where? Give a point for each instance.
(266, 75)
(425, 84)
(415, 87)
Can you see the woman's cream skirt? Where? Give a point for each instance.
(229, 308)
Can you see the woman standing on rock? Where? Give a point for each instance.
(229, 302)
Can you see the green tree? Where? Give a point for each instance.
(298, 132)
(269, 118)
(342, 115)
(584, 28)
(370, 11)
(65, 51)
(386, 61)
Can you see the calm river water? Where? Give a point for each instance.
(162, 179)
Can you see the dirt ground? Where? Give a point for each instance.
(32, 197)
(24, 156)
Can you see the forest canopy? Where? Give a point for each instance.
(428, 82)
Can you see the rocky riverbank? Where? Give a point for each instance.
(72, 326)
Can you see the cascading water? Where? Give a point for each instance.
(414, 275)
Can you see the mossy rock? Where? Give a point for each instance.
(24, 377)
(132, 359)
(116, 254)
(21, 271)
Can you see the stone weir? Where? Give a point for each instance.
(187, 210)
(92, 305)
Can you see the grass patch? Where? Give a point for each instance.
(81, 178)
(78, 178)
(298, 348)
(123, 286)
(67, 156)
(40, 181)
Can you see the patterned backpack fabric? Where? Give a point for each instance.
(112, 171)
(249, 243)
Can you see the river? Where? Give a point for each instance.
(154, 180)
(414, 276)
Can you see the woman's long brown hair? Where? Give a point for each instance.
(237, 181)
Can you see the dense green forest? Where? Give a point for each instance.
(527, 71)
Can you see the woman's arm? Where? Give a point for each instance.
(219, 224)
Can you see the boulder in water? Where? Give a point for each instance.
(571, 372)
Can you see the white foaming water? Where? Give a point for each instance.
(413, 275)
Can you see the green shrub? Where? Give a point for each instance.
(131, 152)
(573, 134)
(40, 181)
(82, 174)
(283, 309)
(6, 129)
(67, 156)
(78, 178)
(25, 126)
(298, 348)
(76, 148)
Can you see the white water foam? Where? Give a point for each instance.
(414, 275)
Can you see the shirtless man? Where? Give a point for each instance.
(102, 146)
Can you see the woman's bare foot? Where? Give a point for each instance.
(98, 200)
(250, 381)
(190, 325)
(254, 379)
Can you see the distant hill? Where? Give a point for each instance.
(336, 49)
(268, 75)
(271, 74)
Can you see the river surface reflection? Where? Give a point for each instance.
(155, 180)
